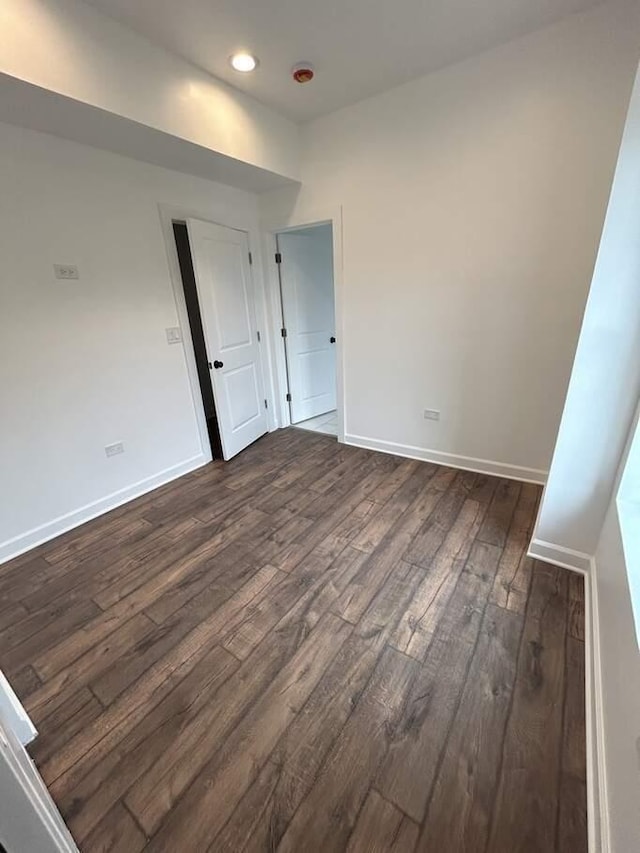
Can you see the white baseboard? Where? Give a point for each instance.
(566, 558)
(599, 824)
(450, 460)
(44, 532)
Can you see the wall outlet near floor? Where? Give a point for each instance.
(432, 414)
(174, 335)
(66, 271)
(114, 449)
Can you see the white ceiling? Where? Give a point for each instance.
(358, 47)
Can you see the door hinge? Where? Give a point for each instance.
(258, 336)
(288, 398)
(250, 258)
(278, 258)
(283, 332)
(266, 405)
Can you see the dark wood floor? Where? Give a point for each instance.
(310, 648)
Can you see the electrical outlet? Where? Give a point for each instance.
(66, 271)
(174, 335)
(432, 414)
(114, 449)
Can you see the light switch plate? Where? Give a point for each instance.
(66, 271)
(114, 449)
(174, 335)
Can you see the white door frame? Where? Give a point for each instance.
(169, 213)
(332, 216)
(29, 819)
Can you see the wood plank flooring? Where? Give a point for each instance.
(312, 647)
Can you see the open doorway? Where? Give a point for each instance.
(306, 275)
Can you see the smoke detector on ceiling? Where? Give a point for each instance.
(302, 72)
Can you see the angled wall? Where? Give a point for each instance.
(605, 381)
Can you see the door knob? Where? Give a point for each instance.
(218, 364)
(332, 340)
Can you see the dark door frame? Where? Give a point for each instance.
(187, 274)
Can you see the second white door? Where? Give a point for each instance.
(306, 280)
(225, 293)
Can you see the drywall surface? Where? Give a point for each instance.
(605, 382)
(86, 363)
(68, 47)
(620, 688)
(473, 202)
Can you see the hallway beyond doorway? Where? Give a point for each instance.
(326, 423)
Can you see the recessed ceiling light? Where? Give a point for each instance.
(243, 61)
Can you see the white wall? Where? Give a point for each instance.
(472, 200)
(578, 515)
(620, 688)
(86, 363)
(70, 48)
(605, 382)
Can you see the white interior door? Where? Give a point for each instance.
(227, 306)
(306, 279)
